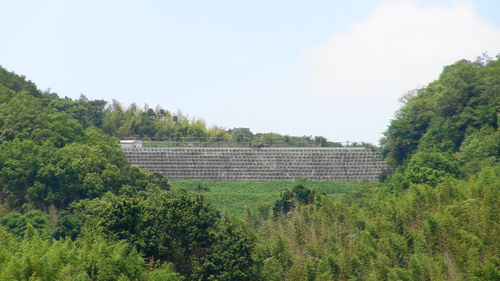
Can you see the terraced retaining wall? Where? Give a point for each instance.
(241, 164)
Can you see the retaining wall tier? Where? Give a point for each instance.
(246, 164)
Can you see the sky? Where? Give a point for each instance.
(315, 68)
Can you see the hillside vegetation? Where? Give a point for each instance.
(235, 197)
(72, 208)
(436, 218)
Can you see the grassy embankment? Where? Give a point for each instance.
(234, 196)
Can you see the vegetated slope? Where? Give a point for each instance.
(72, 208)
(235, 197)
(436, 218)
(453, 122)
(49, 158)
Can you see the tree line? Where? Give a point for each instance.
(135, 122)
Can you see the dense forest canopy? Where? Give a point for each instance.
(63, 178)
(72, 208)
(452, 124)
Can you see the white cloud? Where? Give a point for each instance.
(402, 45)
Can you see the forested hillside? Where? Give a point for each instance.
(72, 208)
(436, 218)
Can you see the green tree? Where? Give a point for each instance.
(173, 227)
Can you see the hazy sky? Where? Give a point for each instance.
(320, 68)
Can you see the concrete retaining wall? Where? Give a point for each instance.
(240, 164)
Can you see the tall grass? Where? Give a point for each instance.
(233, 196)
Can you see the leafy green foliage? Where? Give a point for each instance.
(160, 124)
(48, 158)
(17, 223)
(304, 195)
(285, 203)
(422, 233)
(449, 115)
(17, 83)
(89, 258)
(44, 175)
(436, 218)
(234, 197)
(174, 227)
(230, 256)
(290, 198)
